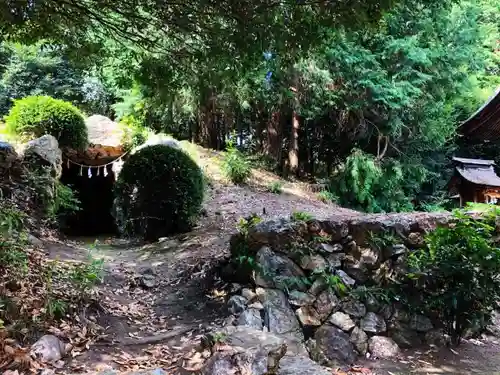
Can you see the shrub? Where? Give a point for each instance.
(235, 166)
(275, 187)
(327, 196)
(457, 275)
(35, 116)
(159, 192)
(301, 216)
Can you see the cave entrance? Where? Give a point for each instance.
(93, 186)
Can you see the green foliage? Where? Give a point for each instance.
(275, 187)
(327, 196)
(34, 116)
(301, 216)
(457, 275)
(63, 204)
(44, 69)
(235, 166)
(135, 133)
(86, 275)
(371, 185)
(12, 237)
(159, 192)
(333, 282)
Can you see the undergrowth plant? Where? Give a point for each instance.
(327, 196)
(301, 216)
(235, 165)
(457, 277)
(275, 187)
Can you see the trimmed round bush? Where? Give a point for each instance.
(159, 192)
(34, 116)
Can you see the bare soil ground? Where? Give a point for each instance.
(159, 325)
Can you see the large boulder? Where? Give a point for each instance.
(49, 348)
(383, 347)
(260, 360)
(335, 345)
(294, 365)
(277, 271)
(252, 352)
(279, 317)
(44, 152)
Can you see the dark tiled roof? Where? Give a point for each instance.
(481, 175)
(484, 125)
(474, 161)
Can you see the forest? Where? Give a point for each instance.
(366, 97)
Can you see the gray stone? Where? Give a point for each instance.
(360, 340)
(373, 323)
(251, 318)
(327, 248)
(346, 279)
(326, 303)
(337, 230)
(416, 240)
(297, 298)
(404, 336)
(49, 348)
(276, 233)
(317, 287)
(247, 337)
(386, 311)
(157, 371)
(260, 360)
(383, 347)
(420, 323)
(308, 316)
(34, 241)
(301, 365)
(313, 262)
(437, 338)
(279, 317)
(342, 321)
(335, 260)
(354, 308)
(256, 305)
(277, 271)
(370, 258)
(148, 281)
(394, 251)
(229, 321)
(315, 352)
(372, 304)
(352, 249)
(237, 304)
(356, 269)
(249, 294)
(335, 345)
(44, 151)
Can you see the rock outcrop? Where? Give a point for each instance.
(312, 285)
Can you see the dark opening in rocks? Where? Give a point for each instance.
(96, 196)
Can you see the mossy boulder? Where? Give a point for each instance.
(35, 116)
(159, 192)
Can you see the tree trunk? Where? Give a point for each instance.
(293, 148)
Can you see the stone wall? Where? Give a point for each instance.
(315, 284)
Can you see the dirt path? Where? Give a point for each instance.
(471, 357)
(157, 300)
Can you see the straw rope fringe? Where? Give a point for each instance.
(98, 167)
